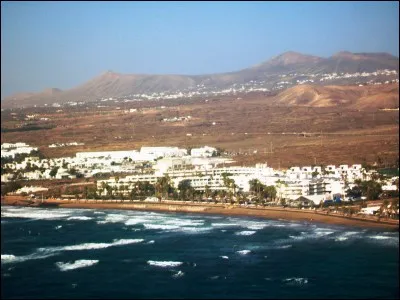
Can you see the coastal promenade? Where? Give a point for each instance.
(289, 214)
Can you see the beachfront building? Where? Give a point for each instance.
(157, 152)
(200, 180)
(202, 170)
(167, 164)
(123, 185)
(106, 154)
(205, 151)
(292, 189)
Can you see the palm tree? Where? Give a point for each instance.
(256, 186)
(163, 185)
(384, 208)
(229, 183)
(207, 191)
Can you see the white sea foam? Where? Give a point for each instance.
(114, 218)
(223, 224)
(284, 247)
(323, 233)
(246, 232)
(35, 213)
(178, 274)
(150, 242)
(351, 233)
(164, 264)
(178, 222)
(194, 229)
(243, 252)
(82, 263)
(90, 246)
(99, 213)
(346, 235)
(5, 258)
(83, 218)
(384, 239)
(297, 237)
(252, 225)
(224, 257)
(379, 237)
(295, 281)
(58, 227)
(256, 226)
(10, 258)
(316, 234)
(134, 221)
(160, 226)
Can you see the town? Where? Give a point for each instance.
(203, 174)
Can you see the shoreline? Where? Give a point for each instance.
(288, 214)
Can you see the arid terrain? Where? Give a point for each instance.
(277, 73)
(252, 127)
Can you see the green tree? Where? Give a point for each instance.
(207, 191)
(186, 191)
(256, 187)
(229, 183)
(163, 186)
(371, 189)
(53, 172)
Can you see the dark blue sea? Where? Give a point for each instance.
(78, 253)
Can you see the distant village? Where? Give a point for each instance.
(272, 85)
(202, 173)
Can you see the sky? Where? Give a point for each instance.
(64, 44)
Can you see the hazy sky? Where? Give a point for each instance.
(63, 44)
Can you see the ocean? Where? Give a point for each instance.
(81, 253)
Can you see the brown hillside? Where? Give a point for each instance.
(356, 97)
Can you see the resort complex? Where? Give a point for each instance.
(200, 174)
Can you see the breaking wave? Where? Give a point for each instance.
(379, 237)
(159, 226)
(82, 263)
(10, 258)
(295, 281)
(164, 264)
(35, 213)
(83, 218)
(90, 246)
(243, 252)
(246, 232)
(178, 274)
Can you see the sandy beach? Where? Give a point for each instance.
(289, 214)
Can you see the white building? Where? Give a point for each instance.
(163, 151)
(108, 154)
(205, 151)
(10, 150)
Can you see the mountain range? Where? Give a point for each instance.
(290, 65)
